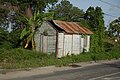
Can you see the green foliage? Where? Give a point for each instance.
(108, 46)
(32, 15)
(84, 23)
(94, 47)
(23, 33)
(3, 18)
(21, 58)
(100, 28)
(23, 4)
(32, 24)
(3, 35)
(6, 45)
(66, 11)
(114, 28)
(14, 38)
(9, 40)
(94, 17)
(91, 18)
(4, 39)
(115, 51)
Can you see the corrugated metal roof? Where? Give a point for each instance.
(72, 27)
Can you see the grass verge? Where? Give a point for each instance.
(22, 58)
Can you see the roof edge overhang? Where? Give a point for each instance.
(59, 28)
(55, 26)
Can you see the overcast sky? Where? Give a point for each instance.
(111, 8)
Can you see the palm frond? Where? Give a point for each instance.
(24, 33)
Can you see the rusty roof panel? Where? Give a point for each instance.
(72, 27)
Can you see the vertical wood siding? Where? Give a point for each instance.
(68, 45)
(60, 44)
(76, 44)
(51, 44)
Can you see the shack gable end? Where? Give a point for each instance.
(46, 27)
(45, 38)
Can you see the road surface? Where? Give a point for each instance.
(103, 71)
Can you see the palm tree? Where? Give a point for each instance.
(33, 24)
(32, 13)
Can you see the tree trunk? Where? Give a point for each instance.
(33, 30)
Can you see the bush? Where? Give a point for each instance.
(108, 46)
(115, 52)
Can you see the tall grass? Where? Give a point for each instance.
(23, 58)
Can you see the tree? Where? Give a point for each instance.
(14, 38)
(27, 8)
(100, 28)
(4, 39)
(90, 17)
(3, 35)
(66, 11)
(114, 28)
(3, 18)
(94, 17)
(38, 18)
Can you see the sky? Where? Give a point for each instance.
(112, 9)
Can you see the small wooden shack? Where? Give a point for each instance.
(62, 38)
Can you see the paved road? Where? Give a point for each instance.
(104, 71)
